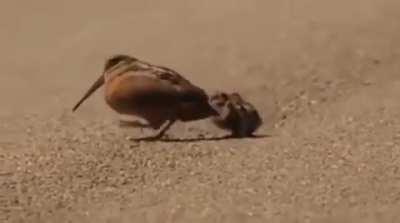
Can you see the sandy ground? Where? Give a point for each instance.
(324, 75)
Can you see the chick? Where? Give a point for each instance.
(235, 114)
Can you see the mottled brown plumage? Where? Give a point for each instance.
(235, 114)
(157, 94)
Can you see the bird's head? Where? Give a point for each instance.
(117, 60)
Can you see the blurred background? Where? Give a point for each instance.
(53, 50)
(324, 74)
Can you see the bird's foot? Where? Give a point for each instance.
(133, 124)
(147, 138)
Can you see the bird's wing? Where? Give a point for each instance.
(188, 92)
(183, 88)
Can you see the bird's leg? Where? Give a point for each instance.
(160, 134)
(164, 129)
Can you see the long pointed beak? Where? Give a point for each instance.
(99, 82)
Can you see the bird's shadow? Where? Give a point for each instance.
(199, 139)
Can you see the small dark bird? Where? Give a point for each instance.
(157, 94)
(235, 114)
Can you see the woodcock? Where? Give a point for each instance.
(159, 95)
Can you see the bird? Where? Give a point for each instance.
(235, 114)
(158, 94)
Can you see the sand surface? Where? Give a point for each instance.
(323, 74)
